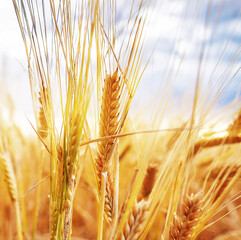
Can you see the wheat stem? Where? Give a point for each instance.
(37, 201)
(102, 206)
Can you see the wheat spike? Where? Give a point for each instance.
(43, 125)
(183, 226)
(148, 181)
(9, 176)
(213, 142)
(234, 136)
(108, 125)
(136, 219)
(235, 126)
(109, 116)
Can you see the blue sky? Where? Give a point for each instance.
(183, 31)
(176, 33)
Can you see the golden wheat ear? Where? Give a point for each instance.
(148, 182)
(108, 125)
(233, 136)
(184, 224)
(43, 126)
(235, 127)
(136, 219)
(10, 179)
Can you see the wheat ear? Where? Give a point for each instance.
(10, 180)
(43, 125)
(184, 225)
(234, 136)
(148, 181)
(108, 125)
(136, 219)
(213, 142)
(235, 126)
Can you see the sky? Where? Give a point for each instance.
(177, 33)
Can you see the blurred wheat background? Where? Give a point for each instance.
(120, 119)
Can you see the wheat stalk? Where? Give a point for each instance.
(54, 217)
(223, 176)
(72, 170)
(184, 225)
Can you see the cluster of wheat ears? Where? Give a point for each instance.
(96, 176)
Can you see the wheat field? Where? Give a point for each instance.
(99, 164)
